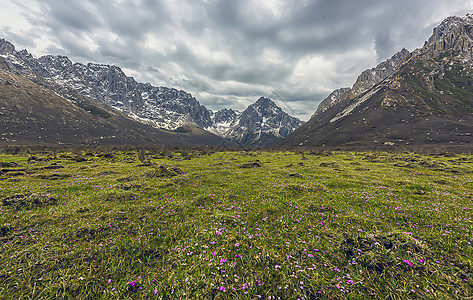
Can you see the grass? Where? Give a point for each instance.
(236, 225)
(457, 82)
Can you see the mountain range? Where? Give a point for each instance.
(423, 97)
(419, 98)
(34, 115)
(166, 108)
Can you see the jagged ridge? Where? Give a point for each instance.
(366, 80)
(161, 107)
(428, 99)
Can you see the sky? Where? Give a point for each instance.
(228, 53)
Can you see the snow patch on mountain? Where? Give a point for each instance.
(261, 123)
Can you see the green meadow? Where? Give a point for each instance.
(235, 225)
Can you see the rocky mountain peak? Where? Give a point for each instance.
(261, 123)
(225, 115)
(55, 60)
(107, 84)
(264, 107)
(6, 47)
(398, 58)
(223, 121)
(424, 97)
(453, 34)
(160, 107)
(262, 101)
(332, 99)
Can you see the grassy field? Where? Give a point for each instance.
(236, 225)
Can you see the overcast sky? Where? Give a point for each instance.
(228, 53)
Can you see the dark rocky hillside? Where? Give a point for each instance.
(427, 100)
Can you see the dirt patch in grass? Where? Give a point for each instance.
(55, 176)
(130, 186)
(22, 201)
(90, 234)
(53, 166)
(13, 172)
(329, 165)
(8, 164)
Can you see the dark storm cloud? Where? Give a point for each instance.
(384, 45)
(64, 15)
(126, 18)
(233, 51)
(324, 26)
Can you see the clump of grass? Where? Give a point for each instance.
(163, 171)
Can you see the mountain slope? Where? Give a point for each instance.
(31, 114)
(428, 100)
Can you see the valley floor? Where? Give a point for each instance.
(235, 225)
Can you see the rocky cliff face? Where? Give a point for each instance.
(370, 78)
(453, 34)
(223, 120)
(332, 99)
(161, 106)
(427, 99)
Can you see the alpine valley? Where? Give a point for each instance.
(96, 88)
(419, 98)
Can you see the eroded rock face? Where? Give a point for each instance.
(453, 34)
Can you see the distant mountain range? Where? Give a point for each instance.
(261, 123)
(419, 98)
